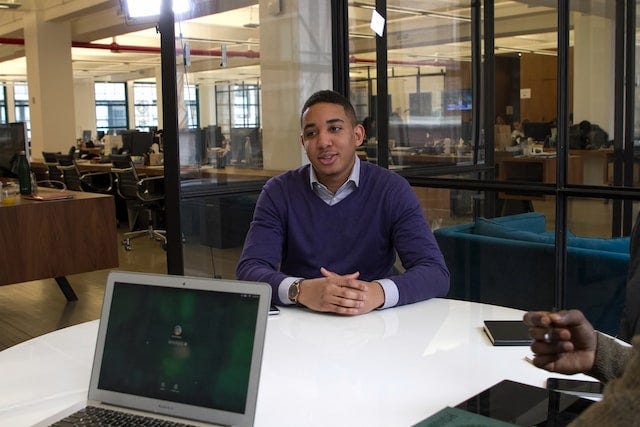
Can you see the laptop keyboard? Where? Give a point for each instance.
(95, 416)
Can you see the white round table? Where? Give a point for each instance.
(390, 367)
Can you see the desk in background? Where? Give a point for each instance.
(390, 367)
(56, 238)
(539, 169)
(231, 173)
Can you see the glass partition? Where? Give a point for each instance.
(250, 81)
(429, 81)
(255, 64)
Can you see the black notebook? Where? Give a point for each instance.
(507, 332)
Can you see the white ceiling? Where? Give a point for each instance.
(419, 34)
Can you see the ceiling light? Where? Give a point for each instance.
(9, 5)
(148, 9)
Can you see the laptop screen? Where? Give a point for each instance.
(161, 340)
(181, 346)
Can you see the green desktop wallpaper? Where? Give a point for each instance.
(186, 346)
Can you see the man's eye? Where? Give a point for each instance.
(335, 128)
(310, 134)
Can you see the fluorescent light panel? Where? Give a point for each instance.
(146, 8)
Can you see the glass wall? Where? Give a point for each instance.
(429, 97)
(251, 84)
(477, 134)
(509, 126)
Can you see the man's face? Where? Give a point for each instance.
(330, 140)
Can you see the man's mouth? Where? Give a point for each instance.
(327, 158)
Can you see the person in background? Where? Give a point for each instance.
(326, 235)
(565, 342)
(517, 132)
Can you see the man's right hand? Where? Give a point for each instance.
(564, 342)
(341, 294)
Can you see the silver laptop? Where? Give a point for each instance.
(180, 348)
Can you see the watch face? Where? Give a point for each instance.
(293, 291)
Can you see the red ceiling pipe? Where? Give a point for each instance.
(115, 47)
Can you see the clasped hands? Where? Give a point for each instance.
(341, 294)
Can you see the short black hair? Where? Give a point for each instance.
(330, 97)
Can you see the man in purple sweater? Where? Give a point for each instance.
(325, 235)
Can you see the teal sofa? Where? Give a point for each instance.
(510, 261)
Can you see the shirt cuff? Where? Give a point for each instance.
(390, 293)
(283, 289)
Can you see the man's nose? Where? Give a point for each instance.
(324, 138)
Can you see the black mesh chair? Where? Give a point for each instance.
(51, 163)
(94, 182)
(141, 194)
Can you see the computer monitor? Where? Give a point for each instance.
(86, 135)
(457, 100)
(141, 143)
(127, 141)
(13, 139)
(538, 131)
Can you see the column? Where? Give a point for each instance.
(158, 74)
(295, 61)
(85, 111)
(593, 70)
(50, 78)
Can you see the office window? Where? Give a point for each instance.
(223, 111)
(245, 110)
(21, 97)
(3, 104)
(145, 102)
(238, 106)
(111, 106)
(191, 106)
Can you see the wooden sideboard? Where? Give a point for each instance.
(56, 238)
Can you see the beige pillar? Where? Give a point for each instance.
(85, 111)
(593, 70)
(50, 78)
(207, 101)
(158, 73)
(295, 61)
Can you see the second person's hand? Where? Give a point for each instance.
(564, 342)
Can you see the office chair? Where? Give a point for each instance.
(94, 182)
(140, 194)
(40, 177)
(51, 163)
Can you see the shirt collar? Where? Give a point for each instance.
(354, 176)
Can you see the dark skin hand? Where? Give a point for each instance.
(564, 341)
(340, 294)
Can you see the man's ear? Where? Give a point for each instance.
(359, 132)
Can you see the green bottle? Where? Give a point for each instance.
(24, 174)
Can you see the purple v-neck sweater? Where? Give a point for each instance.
(294, 233)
